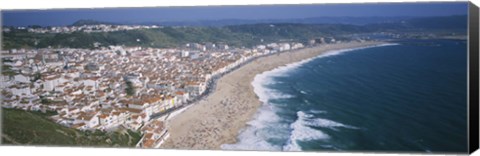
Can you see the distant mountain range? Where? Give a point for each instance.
(315, 20)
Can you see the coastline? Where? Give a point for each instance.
(218, 118)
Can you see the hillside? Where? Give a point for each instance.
(90, 22)
(311, 20)
(457, 23)
(34, 128)
(237, 35)
(444, 22)
(241, 35)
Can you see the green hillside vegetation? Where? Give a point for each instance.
(240, 35)
(246, 35)
(295, 32)
(7, 71)
(34, 128)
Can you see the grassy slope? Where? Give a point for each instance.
(34, 128)
(241, 35)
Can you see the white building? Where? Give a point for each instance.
(22, 78)
(50, 82)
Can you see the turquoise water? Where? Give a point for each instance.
(403, 97)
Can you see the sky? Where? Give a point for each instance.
(61, 17)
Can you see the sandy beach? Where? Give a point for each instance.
(218, 118)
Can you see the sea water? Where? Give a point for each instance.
(410, 96)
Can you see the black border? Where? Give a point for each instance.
(473, 42)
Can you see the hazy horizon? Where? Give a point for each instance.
(62, 17)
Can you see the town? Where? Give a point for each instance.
(121, 87)
(82, 28)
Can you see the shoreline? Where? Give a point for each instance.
(218, 118)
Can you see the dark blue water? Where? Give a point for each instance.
(409, 97)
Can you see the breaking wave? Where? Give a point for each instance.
(267, 125)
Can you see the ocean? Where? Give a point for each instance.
(409, 96)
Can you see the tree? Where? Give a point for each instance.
(130, 90)
(36, 77)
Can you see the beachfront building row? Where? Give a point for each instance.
(115, 86)
(82, 28)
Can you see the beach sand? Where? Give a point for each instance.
(218, 118)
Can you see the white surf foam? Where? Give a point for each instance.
(319, 122)
(303, 92)
(301, 132)
(317, 111)
(326, 124)
(249, 140)
(277, 95)
(267, 77)
(264, 94)
(254, 136)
